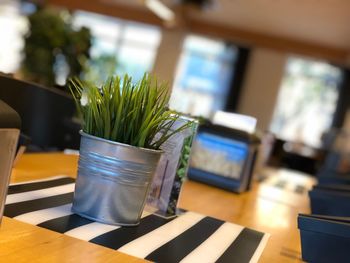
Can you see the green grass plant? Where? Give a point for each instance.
(122, 111)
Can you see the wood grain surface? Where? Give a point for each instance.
(265, 208)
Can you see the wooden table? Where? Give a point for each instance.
(20, 242)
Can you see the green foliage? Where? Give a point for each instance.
(134, 114)
(185, 157)
(50, 36)
(97, 69)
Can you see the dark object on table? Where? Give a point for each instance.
(224, 157)
(324, 238)
(331, 177)
(10, 124)
(333, 200)
(337, 162)
(45, 113)
(296, 156)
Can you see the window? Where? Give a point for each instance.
(306, 102)
(13, 26)
(118, 46)
(203, 76)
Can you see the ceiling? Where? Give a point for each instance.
(320, 21)
(325, 22)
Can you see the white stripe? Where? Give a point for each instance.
(290, 186)
(212, 248)
(90, 231)
(144, 245)
(259, 250)
(47, 192)
(41, 180)
(43, 215)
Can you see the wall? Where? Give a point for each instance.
(346, 125)
(263, 78)
(168, 54)
(342, 142)
(261, 85)
(265, 70)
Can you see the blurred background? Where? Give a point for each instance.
(284, 63)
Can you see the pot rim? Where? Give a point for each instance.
(82, 133)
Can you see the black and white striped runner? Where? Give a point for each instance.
(190, 237)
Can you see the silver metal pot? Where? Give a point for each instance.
(113, 180)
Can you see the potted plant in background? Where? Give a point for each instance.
(124, 125)
(53, 40)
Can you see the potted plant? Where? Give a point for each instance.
(53, 40)
(124, 125)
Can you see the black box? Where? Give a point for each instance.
(324, 238)
(238, 146)
(330, 200)
(331, 177)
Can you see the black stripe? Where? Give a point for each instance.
(121, 236)
(21, 188)
(15, 209)
(65, 223)
(243, 248)
(182, 245)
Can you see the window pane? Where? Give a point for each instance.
(13, 26)
(102, 46)
(118, 46)
(100, 26)
(135, 61)
(306, 101)
(209, 47)
(140, 34)
(203, 76)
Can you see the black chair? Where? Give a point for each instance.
(46, 114)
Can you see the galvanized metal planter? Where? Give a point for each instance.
(113, 180)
